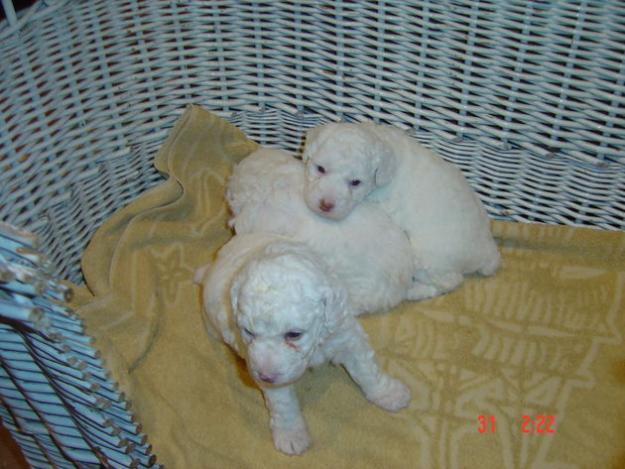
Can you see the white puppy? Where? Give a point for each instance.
(280, 308)
(366, 250)
(429, 198)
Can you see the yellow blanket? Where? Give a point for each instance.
(524, 369)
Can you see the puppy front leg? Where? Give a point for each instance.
(358, 358)
(288, 427)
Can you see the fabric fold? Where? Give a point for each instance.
(543, 337)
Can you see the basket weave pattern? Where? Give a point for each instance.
(526, 97)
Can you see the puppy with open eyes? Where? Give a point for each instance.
(369, 253)
(448, 228)
(276, 303)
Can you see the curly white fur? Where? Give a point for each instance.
(280, 307)
(448, 228)
(366, 250)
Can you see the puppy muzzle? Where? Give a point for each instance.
(273, 365)
(324, 200)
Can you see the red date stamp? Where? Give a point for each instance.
(528, 424)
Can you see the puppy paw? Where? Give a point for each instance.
(491, 266)
(447, 281)
(393, 396)
(291, 440)
(420, 291)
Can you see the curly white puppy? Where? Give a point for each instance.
(447, 225)
(280, 308)
(369, 252)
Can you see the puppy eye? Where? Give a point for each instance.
(293, 335)
(248, 333)
(321, 169)
(355, 182)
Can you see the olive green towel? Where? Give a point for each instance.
(534, 356)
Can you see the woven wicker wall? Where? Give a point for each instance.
(91, 87)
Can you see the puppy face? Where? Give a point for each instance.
(284, 307)
(344, 163)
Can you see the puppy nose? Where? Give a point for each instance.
(326, 206)
(267, 378)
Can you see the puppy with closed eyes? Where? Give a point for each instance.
(448, 228)
(277, 305)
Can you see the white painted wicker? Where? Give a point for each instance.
(527, 97)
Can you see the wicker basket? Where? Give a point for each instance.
(527, 97)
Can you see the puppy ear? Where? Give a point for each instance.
(386, 162)
(310, 144)
(234, 293)
(336, 307)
